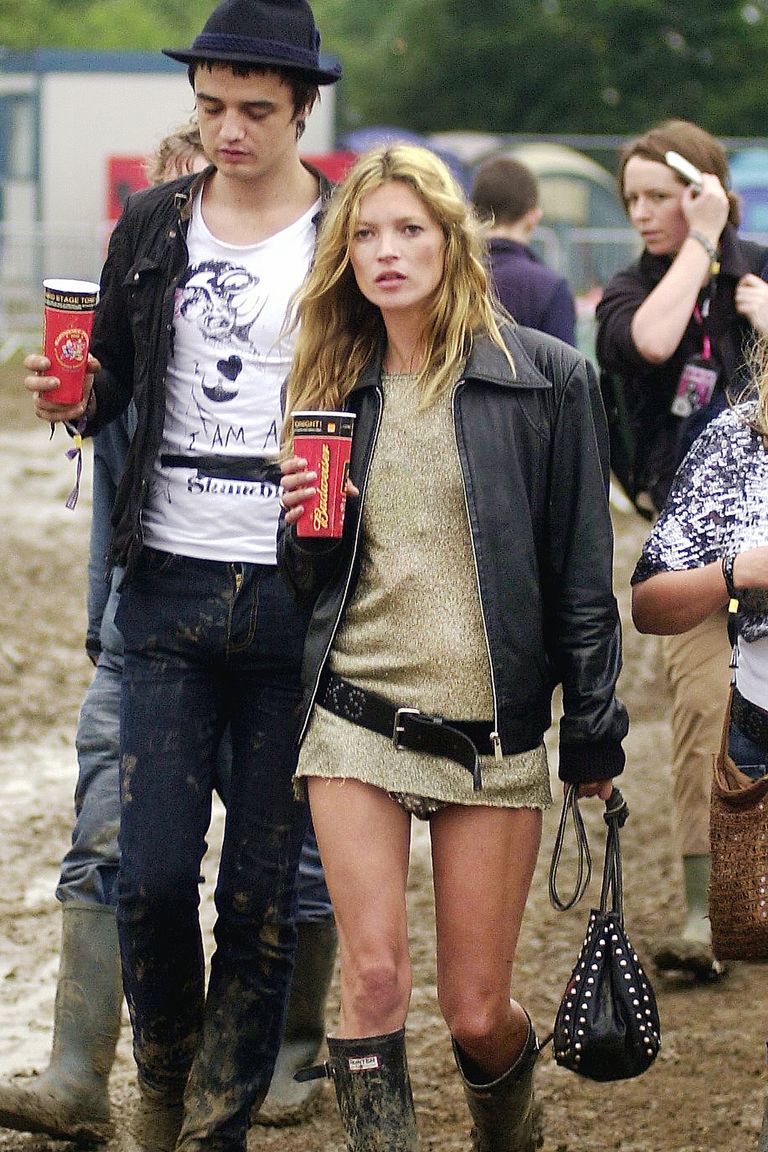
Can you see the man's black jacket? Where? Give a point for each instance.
(133, 332)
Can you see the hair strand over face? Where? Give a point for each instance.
(340, 331)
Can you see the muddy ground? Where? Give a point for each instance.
(706, 1090)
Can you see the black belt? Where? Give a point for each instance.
(461, 740)
(750, 719)
(255, 468)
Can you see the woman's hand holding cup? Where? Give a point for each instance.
(299, 486)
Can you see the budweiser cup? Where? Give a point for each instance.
(68, 321)
(324, 440)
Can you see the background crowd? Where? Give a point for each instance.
(402, 318)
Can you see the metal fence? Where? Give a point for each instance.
(27, 256)
(587, 257)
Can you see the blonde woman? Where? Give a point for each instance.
(474, 573)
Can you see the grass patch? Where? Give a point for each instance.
(16, 410)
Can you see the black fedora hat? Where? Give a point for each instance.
(265, 33)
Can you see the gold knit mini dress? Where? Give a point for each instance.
(413, 631)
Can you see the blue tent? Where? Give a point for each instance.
(749, 177)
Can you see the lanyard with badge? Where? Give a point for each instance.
(701, 371)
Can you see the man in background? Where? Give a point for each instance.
(506, 193)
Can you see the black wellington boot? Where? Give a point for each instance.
(506, 1116)
(373, 1090)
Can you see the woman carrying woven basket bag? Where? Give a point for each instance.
(708, 548)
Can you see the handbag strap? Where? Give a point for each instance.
(612, 888)
(733, 636)
(584, 856)
(616, 812)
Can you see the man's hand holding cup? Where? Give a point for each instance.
(40, 382)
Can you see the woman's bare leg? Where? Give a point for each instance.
(364, 841)
(483, 861)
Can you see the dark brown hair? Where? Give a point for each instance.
(504, 190)
(692, 142)
(303, 90)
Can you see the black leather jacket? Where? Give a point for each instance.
(133, 333)
(533, 454)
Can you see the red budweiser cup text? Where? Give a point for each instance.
(68, 321)
(324, 440)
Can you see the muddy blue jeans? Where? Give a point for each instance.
(208, 644)
(89, 868)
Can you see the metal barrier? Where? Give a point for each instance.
(27, 256)
(587, 257)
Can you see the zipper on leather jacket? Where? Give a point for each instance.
(350, 568)
(495, 738)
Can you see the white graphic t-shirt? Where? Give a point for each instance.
(230, 354)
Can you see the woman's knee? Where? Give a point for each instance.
(473, 1018)
(376, 987)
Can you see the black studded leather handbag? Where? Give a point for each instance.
(607, 1026)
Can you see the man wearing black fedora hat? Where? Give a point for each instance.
(192, 324)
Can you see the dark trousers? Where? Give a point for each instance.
(208, 644)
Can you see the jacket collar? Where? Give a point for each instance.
(184, 197)
(498, 244)
(486, 362)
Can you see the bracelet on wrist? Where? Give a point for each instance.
(708, 247)
(726, 565)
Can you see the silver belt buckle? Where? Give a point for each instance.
(397, 728)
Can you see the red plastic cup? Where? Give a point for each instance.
(68, 322)
(324, 440)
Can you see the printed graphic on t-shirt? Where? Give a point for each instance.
(230, 353)
(220, 305)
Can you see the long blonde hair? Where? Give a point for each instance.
(756, 393)
(340, 331)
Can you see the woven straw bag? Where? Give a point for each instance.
(738, 885)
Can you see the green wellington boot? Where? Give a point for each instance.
(373, 1091)
(506, 1114)
(287, 1101)
(762, 1143)
(70, 1099)
(692, 950)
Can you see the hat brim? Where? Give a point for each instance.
(316, 75)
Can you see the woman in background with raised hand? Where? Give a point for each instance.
(675, 327)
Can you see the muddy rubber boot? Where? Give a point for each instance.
(289, 1102)
(373, 1091)
(507, 1117)
(70, 1099)
(762, 1143)
(692, 950)
(156, 1120)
